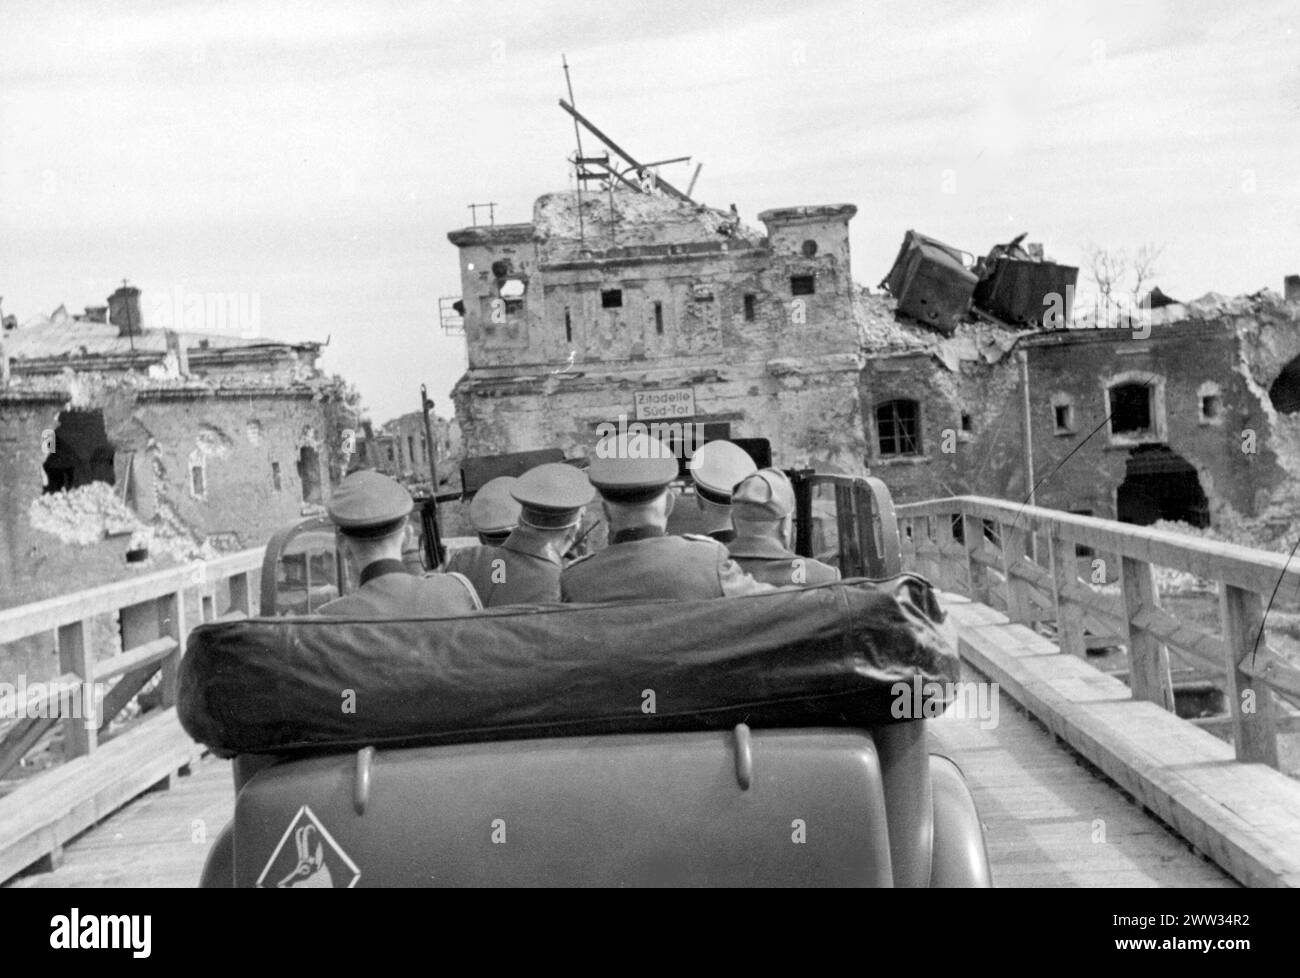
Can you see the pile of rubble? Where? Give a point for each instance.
(882, 331)
(94, 512)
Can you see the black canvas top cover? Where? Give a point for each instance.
(819, 656)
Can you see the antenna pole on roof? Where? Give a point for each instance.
(663, 184)
(577, 135)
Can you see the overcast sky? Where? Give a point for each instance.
(315, 155)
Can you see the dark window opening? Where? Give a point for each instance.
(1210, 407)
(749, 307)
(802, 285)
(568, 327)
(809, 248)
(1130, 409)
(309, 474)
(958, 529)
(275, 476)
(1160, 484)
(391, 457)
(514, 306)
(82, 452)
(1285, 391)
(898, 428)
(1064, 417)
(196, 480)
(967, 423)
(410, 449)
(611, 299)
(659, 318)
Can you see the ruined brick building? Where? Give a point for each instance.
(1194, 416)
(400, 448)
(641, 301)
(646, 307)
(124, 447)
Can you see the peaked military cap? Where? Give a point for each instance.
(765, 495)
(716, 467)
(631, 467)
(552, 495)
(369, 504)
(493, 509)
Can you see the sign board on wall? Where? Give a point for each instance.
(678, 402)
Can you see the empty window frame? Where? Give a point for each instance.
(659, 318)
(1130, 409)
(749, 307)
(898, 428)
(1062, 415)
(611, 298)
(803, 285)
(1209, 401)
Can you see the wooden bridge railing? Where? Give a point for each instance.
(37, 817)
(1024, 561)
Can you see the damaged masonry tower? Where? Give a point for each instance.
(613, 303)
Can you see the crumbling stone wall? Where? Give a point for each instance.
(1246, 457)
(54, 544)
(656, 294)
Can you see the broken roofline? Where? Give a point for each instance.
(525, 232)
(251, 353)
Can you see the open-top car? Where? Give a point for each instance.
(752, 740)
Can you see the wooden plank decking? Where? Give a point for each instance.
(1051, 819)
(1039, 802)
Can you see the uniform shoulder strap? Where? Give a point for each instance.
(473, 594)
(702, 538)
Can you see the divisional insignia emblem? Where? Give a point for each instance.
(308, 856)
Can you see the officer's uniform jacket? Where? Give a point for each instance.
(766, 559)
(525, 569)
(644, 563)
(389, 590)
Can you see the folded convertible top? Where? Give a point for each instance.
(819, 656)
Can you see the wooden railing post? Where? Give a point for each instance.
(972, 528)
(945, 541)
(1069, 617)
(171, 616)
(1019, 608)
(1148, 659)
(80, 733)
(1241, 617)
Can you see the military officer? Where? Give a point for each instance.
(632, 473)
(494, 514)
(716, 467)
(370, 511)
(494, 511)
(762, 509)
(525, 569)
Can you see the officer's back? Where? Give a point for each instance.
(370, 511)
(632, 474)
(494, 514)
(762, 512)
(526, 567)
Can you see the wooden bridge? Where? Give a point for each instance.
(1081, 778)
